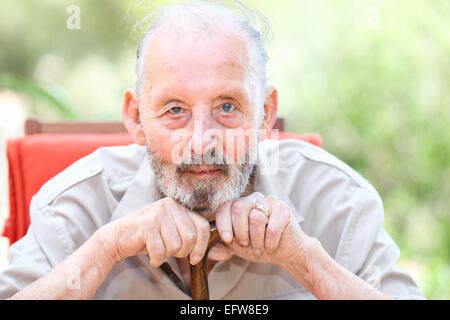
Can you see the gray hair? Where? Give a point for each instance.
(206, 16)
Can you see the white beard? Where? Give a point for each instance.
(203, 196)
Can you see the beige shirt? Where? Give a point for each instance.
(330, 201)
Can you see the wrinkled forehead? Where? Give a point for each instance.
(192, 56)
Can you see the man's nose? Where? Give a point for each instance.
(204, 137)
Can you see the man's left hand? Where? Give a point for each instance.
(271, 237)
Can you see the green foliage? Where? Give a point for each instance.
(379, 98)
(48, 94)
(378, 95)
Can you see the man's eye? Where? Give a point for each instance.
(175, 110)
(227, 107)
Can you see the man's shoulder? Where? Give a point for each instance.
(330, 198)
(291, 155)
(113, 164)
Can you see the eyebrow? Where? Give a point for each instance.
(229, 93)
(234, 94)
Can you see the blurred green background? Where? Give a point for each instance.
(372, 77)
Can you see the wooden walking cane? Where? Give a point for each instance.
(199, 278)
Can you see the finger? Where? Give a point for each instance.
(223, 222)
(170, 237)
(155, 247)
(219, 252)
(185, 227)
(278, 220)
(201, 241)
(240, 210)
(257, 224)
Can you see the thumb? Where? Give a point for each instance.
(219, 252)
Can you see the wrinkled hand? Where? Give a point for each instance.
(249, 234)
(163, 229)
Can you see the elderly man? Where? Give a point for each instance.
(124, 222)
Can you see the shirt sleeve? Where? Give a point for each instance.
(47, 242)
(27, 263)
(66, 211)
(372, 254)
(57, 229)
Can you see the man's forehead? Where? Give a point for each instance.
(171, 52)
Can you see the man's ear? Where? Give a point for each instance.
(270, 112)
(131, 116)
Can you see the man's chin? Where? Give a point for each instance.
(205, 208)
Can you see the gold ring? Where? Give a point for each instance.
(263, 209)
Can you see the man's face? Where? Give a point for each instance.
(199, 117)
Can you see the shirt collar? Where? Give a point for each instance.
(141, 192)
(267, 178)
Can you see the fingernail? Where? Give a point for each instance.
(195, 259)
(257, 251)
(244, 243)
(226, 236)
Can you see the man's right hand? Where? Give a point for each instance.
(163, 229)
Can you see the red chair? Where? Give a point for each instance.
(48, 148)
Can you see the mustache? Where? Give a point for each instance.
(210, 158)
